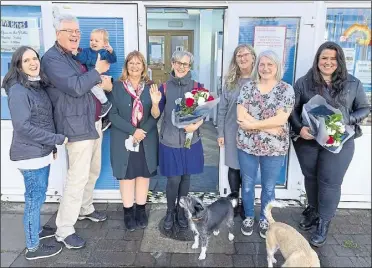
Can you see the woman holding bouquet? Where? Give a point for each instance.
(175, 161)
(323, 170)
(239, 73)
(134, 137)
(264, 105)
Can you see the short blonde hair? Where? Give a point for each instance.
(135, 54)
(104, 33)
(271, 55)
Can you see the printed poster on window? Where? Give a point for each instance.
(363, 71)
(270, 38)
(17, 32)
(350, 59)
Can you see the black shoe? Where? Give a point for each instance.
(169, 219)
(141, 216)
(311, 219)
(72, 241)
(105, 124)
(319, 238)
(181, 218)
(106, 107)
(47, 232)
(307, 210)
(129, 219)
(43, 251)
(263, 226)
(94, 216)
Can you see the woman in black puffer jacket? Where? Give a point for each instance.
(324, 171)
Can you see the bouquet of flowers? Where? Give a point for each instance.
(326, 124)
(194, 107)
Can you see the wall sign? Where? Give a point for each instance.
(17, 32)
(270, 38)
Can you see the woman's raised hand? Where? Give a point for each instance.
(155, 94)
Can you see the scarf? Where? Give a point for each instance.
(137, 109)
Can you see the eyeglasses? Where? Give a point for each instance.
(243, 56)
(70, 32)
(183, 64)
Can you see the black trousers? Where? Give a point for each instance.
(324, 172)
(235, 180)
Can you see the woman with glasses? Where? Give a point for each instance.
(176, 162)
(239, 73)
(134, 137)
(264, 105)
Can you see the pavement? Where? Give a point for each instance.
(109, 244)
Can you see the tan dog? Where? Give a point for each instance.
(293, 246)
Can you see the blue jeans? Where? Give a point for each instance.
(270, 171)
(36, 184)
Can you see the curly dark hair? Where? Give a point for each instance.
(16, 75)
(339, 76)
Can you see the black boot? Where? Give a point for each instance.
(318, 239)
(129, 219)
(307, 210)
(181, 218)
(141, 216)
(311, 219)
(169, 219)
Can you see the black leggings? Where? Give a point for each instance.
(177, 186)
(235, 180)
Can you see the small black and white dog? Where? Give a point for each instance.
(207, 219)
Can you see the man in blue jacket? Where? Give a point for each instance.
(76, 115)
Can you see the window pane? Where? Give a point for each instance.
(351, 29)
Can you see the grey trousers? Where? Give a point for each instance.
(100, 94)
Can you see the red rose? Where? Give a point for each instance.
(194, 91)
(203, 89)
(210, 98)
(330, 140)
(189, 102)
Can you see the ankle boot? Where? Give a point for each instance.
(318, 239)
(169, 219)
(181, 218)
(141, 216)
(307, 210)
(129, 219)
(310, 219)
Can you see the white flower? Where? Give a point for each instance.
(338, 124)
(201, 101)
(342, 129)
(336, 143)
(330, 131)
(188, 95)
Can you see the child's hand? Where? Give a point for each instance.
(109, 48)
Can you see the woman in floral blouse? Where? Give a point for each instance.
(264, 105)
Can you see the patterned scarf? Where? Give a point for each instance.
(137, 110)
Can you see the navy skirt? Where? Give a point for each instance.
(181, 161)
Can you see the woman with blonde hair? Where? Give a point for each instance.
(134, 137)
(264, 105)
(239, 73)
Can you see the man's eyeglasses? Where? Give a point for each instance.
(183, 64)
(70, 32)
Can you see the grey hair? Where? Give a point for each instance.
(177, 55)
(271, 55)
(61, 18)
